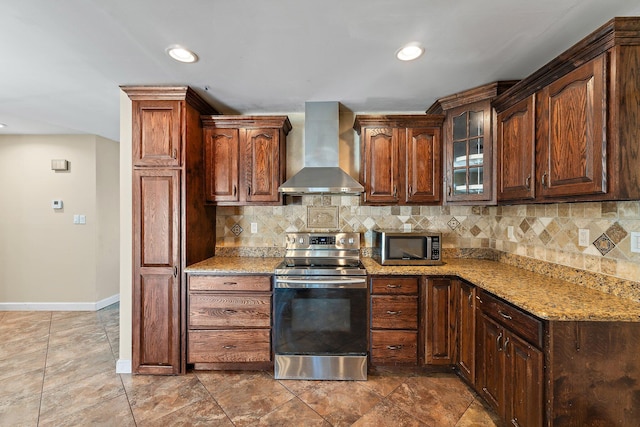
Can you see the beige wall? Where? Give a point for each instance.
(44, 257)
(126, 233)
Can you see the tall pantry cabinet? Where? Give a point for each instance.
(172, 226)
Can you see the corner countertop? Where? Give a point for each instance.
(545, 297)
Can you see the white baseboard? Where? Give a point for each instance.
(59, 306)
(123, 366)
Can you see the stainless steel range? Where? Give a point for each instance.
(320, 309)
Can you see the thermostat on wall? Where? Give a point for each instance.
(56, 204)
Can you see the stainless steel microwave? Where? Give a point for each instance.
(393, 247)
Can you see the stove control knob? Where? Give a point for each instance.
(301, 240)
(342, 241)
(351, 241)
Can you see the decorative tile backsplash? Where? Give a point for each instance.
(540, 232)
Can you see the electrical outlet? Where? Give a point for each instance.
(510, 234)
(583, 237)
(635, 241)
(254, 227)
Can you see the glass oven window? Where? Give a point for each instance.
(320, 321)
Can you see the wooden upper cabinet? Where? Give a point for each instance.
(381, 178)
(245, 158)
(260, 156)
(586, 117)
(222, 148)
(572, 132)
(156, 133)
(469, 174)
(423, 172)
(516, 151)
(400, 158)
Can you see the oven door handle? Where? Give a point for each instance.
(359, 282)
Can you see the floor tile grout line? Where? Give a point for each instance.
(215, 400)
(44, 368)
(126, 394)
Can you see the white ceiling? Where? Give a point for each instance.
(64, 60)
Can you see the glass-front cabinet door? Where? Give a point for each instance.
(468, 153)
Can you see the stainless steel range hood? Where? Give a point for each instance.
(321, 173)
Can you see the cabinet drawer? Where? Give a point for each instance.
(526, 326)
(394, 285)
(252, 345)
(391, 347)
(394, 312)
(230, 283)
(228, 311)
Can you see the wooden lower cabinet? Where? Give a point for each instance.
(466, 330)
(394, 338)
(511, 374)
(229, 322)
(440, 322)
(229, 346)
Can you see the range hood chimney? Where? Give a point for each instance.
(321, 173)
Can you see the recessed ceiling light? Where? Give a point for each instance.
(181, 54)
(410, 51)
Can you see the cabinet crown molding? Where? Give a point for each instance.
(620, 31)
(169, 93)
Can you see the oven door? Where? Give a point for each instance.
(320, 316)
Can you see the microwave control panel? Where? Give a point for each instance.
(435, 248)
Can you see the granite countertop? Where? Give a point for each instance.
(545, 297)
(234, 265)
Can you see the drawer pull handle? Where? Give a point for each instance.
(393, 286)
(506, 345)
(498, 346)
(228, 347)
(230, 283)
(394, 347)
(229, 311)
(394, 313)
(506, 316)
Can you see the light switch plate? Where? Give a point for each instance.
(254, 227)
(583, 237)
(635, 241)
(510, 234)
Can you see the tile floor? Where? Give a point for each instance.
(58, 369)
